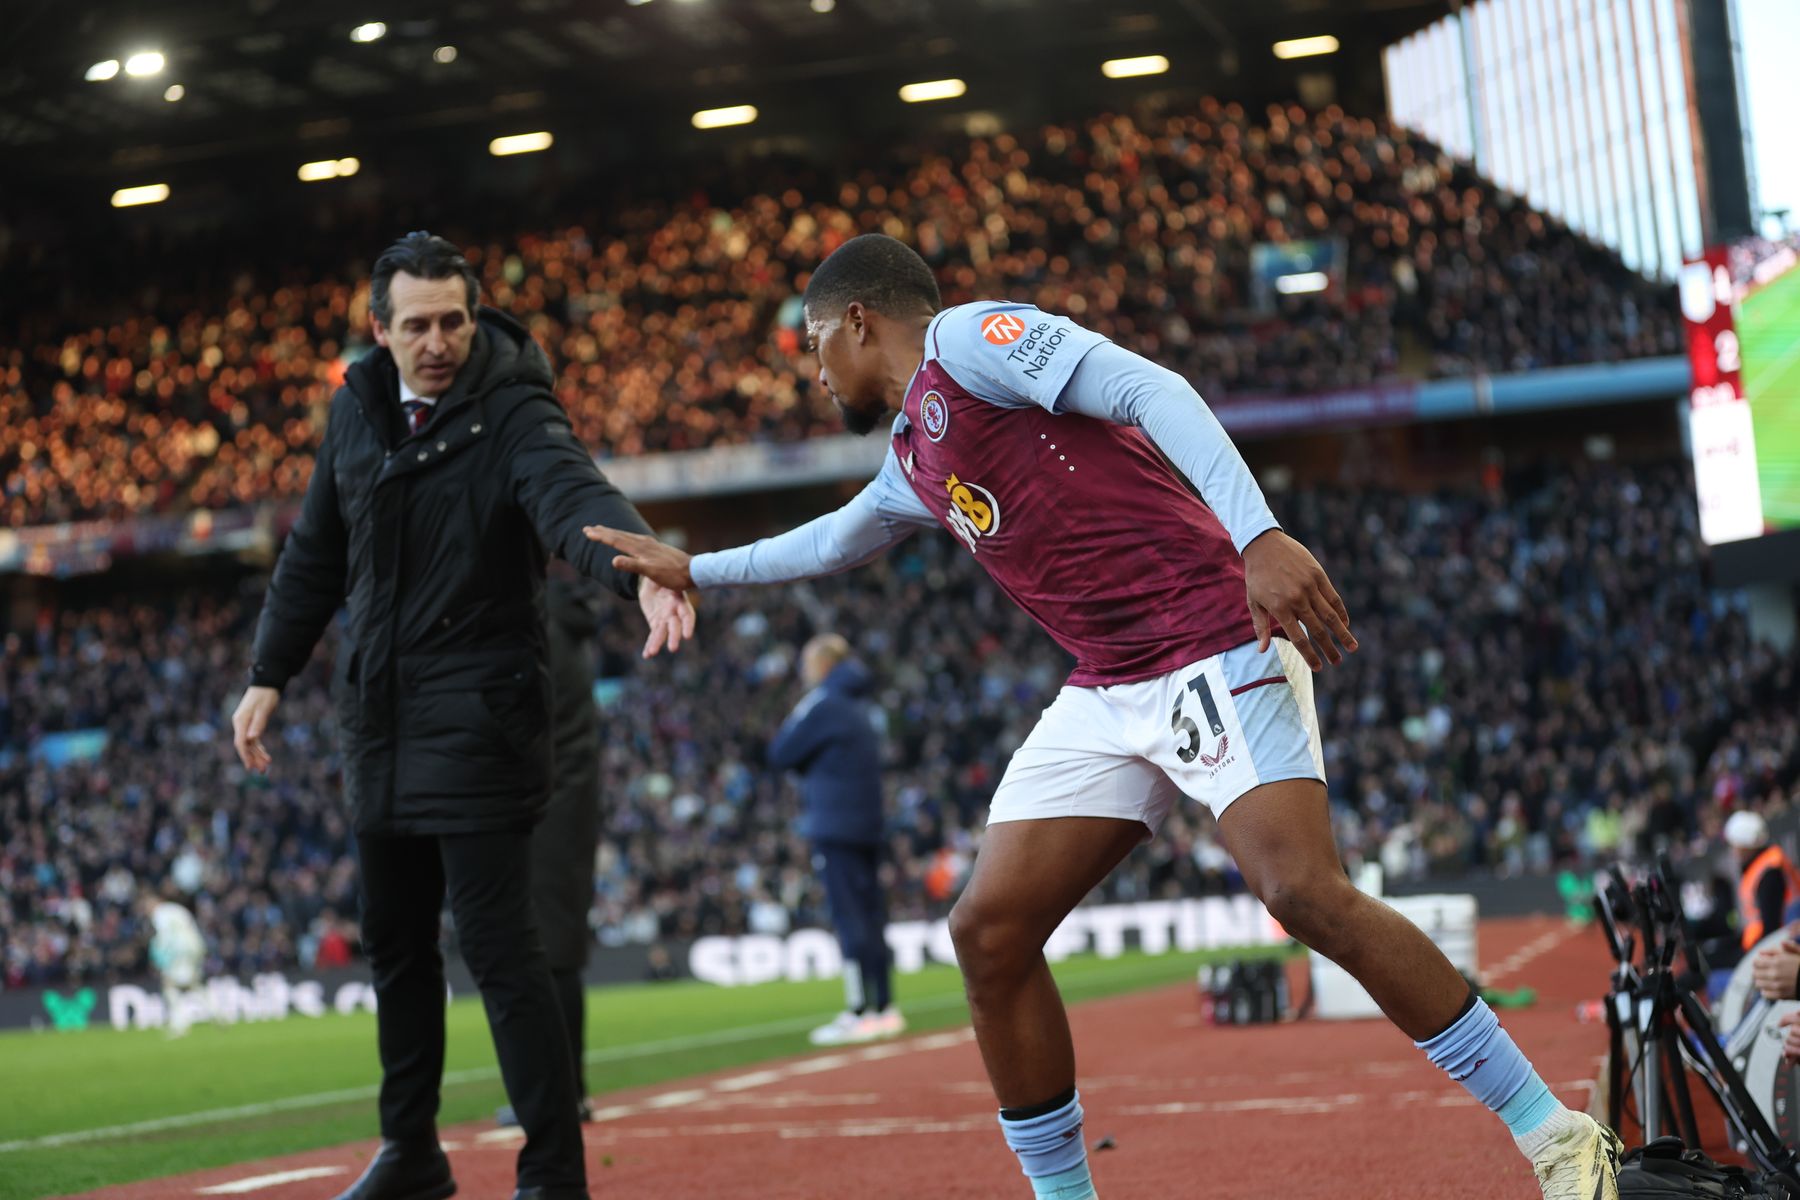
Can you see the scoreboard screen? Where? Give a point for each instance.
(1741, 307)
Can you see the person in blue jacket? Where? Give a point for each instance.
(832, 741)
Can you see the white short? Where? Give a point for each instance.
(182, 972)
(1211, 731)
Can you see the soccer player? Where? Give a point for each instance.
(1193, 625)
(177, 951)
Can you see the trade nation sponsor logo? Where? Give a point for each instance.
(1002, 329)
(1038, 348)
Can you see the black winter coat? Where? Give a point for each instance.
(436, 543)
(563, 846)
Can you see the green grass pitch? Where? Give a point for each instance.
(312, 1080)
(1768, 326)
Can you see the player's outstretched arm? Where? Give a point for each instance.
(879, 517)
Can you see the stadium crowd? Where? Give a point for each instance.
(671, 319)
(1544, 680)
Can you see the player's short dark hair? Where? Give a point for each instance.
(423, 256)
(882, 272)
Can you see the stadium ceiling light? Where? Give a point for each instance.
(635, 3)
(329, 168)
(1126, 68)
(719, 118)
(100, 72)
(149, 193)
(369, 31)
(936, 89)
(1306, 47)
(1300, 284)
(174, 92)
(520, 143)
(444, 54)
(823, 6)
(144, 62)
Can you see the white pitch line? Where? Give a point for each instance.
(1529, 953)
(257, 1183)
(676, 1099)
(613, 1112)
(1301, 1106)
(812, 1066)
(183, 1120)
(754, 1079)
(884, 1050)
(488, 1137)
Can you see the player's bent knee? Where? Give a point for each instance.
(1314, 912)
(989, 948)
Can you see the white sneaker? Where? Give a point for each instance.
(888, 1022)
(1582, 1164)
(849, 1028)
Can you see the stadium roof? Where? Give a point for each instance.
(244, 78)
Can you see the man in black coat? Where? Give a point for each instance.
(447, 473)
(564, 843)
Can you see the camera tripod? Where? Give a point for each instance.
(1659, 1030)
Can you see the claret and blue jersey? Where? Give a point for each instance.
(1034, 442)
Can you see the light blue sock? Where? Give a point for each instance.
(1481, 1056)
(1073, 1184)
(1052, 1153)
(1527, 1111)
(1477, 1053)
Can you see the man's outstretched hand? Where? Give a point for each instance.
(663, 594)
(669, 613)
(643, 555)
(1286, 583)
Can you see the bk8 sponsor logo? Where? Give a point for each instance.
(974, 513)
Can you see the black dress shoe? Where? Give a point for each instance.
(551, 1193)
(404, 1171)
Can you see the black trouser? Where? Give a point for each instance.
(851, 872)
(487, 876)
(562, 889)
(571, 998)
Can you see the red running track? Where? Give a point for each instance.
(1309, 1111)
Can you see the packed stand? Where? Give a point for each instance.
(670, 321)
(1544, 680)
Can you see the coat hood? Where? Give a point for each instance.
(849, 678)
